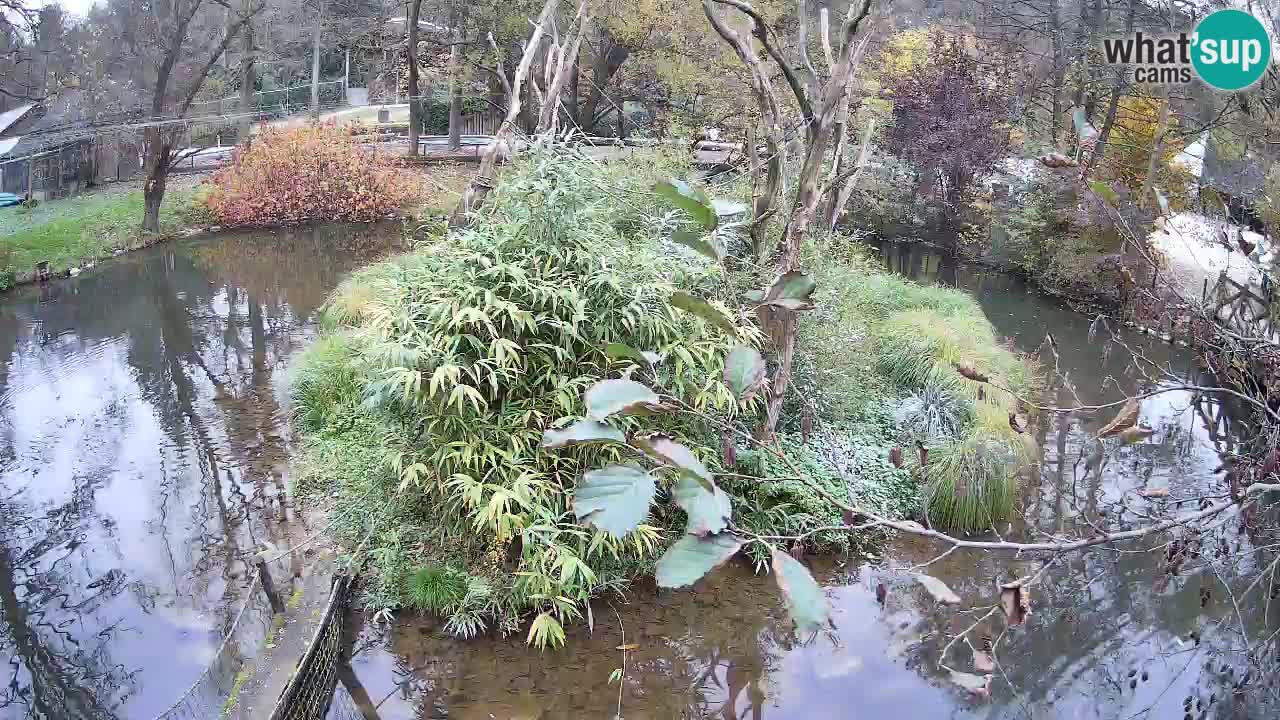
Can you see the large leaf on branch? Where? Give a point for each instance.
(704, 310)
(700, 242)
(692, 557)
(692, 201)
(1126, 418)
(727, 208)
(609, 397)
(708, 509)
(614, 498)
(662, 448)
(583, 431)
(744, 371)
(805, 600)
(792, 290)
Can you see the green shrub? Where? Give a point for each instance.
(463, 352)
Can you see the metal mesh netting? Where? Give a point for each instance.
(244, 639)
(310, 690)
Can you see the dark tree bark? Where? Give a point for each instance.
(604, 65)
(415, 102)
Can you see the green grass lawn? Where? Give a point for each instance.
(75, 230)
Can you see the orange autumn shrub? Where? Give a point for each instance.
(316, 172)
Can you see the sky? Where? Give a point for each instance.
(74, 7)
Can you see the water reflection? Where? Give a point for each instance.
(141, 459)
(1120, 633)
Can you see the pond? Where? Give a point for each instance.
(143, 448)
(1113, 633)
(144, 458)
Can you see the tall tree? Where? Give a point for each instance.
(182, 63)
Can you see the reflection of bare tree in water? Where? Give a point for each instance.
(53, 674)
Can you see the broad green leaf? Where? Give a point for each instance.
(583, 431)
(938, 590)
(805, 600)
(692, 557)
(708, 510)
(662, 448)
(622, 351)
(704, 310)
(699, 241)
(792, 290)
(609, 397)
(727, 208)
(692, 201)
(744, 371)
(1105, 192)
(614, 498)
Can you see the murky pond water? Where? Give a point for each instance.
(1112, 635)
(143, 442)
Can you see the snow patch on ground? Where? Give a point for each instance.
(1190, 245)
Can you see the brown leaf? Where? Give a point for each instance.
(895, 457)
(1154, 492)
(970, 372)
(881, 593)
(924, 456)
(1127, 417)
(977, 685)
(1015, 601)
(1135, 434)
(628, 646)
(983, 662)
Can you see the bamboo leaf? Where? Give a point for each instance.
(704, 310)
(805, 600)
(692, 201)
(610, 397)
(744, 371)
(622, 351)
(615, 498)
(692, 557)
(708, 510)
(583, 431)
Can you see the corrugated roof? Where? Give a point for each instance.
(10, 117)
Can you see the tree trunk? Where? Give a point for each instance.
(1157, 149)
(1059, 74)
(315, 60)
(248, 75)
(573, 94)
(455, 93)
(1113, 105)
(415, 102)
(566, 60)
(482, 183)
(157, 168)
(603, 67)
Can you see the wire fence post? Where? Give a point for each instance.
(268, 585)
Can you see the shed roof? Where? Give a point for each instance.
(9, 117)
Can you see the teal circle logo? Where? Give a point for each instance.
(1231, 50)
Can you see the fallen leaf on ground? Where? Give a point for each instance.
(1154, 492)
(1134, 434)
(628, 646)
(938, 590)
(1127, 417)
(979, 685)
(1015, 601)
(982, 662)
